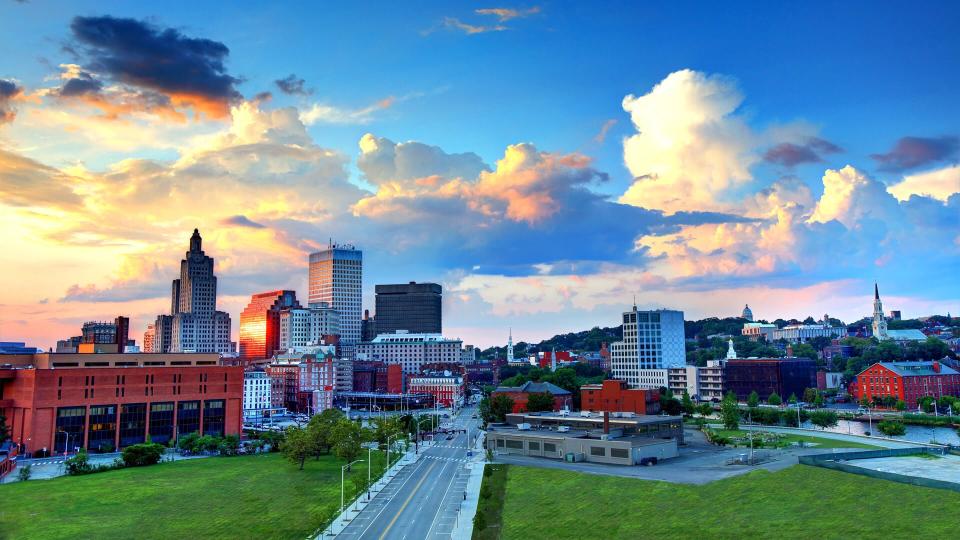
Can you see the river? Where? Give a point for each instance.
(925, 434)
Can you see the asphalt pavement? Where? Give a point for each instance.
(423, 500)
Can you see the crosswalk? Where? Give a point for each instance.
(441, 458)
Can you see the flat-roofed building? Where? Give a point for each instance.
(55, 403)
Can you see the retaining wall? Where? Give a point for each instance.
(835, 460)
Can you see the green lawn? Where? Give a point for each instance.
(821, 442)
(240, 497)
(798, 502)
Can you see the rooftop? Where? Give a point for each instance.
(917, 369)
(401, 336)
(535, 387)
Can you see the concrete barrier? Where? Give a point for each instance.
(835, 461)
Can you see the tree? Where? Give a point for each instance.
(296, 445)
(539, 401)
(810, 395)
(705, 409)
(671, 406)
(774, 399)
(500, 405)
(730, 412)
(901, 405)
(188, 442)
(824, 419)
(753, 400)
(892, 428)
(23, 474)
(687, 403)
(347, 437)
(818, 400)
(792, 399)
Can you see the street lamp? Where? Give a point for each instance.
(343, 471)
(388, 450)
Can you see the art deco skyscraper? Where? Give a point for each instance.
(194, 324)
(336, 276)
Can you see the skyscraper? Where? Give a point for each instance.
(653, 342)
(260, 323)
(414, 307)
(336, 276)
(194, 323)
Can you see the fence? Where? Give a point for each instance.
(834, 460)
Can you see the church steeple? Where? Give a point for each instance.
(879, 321)
(195, 241)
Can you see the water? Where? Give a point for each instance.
(924, 434)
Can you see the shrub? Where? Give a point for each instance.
(138, 455)
(892, 428)
(229, 445)
(78, 464)
(23, 474)
(479, 521)
(188, 442)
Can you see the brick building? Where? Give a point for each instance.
(446, 390)
(59, 402)
(520, 394)
(615, 396)
(908, 381)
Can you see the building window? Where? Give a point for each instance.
(188, 417)
(103, 428)
(598, 451)
(69, 434)
(549, 447)
(534, 446)
(161, 422)
(133, 422)
(517, 445)
(213, 417)
(619, 453)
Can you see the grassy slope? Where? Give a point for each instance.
(821, 442)
(799, 502)
(491, 507)
(248, 497)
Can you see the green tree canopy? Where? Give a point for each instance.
(730, 411)
(297, 445)
(753, 400)
(539, 401)
(774, 399)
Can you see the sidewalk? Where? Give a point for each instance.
(464, 529)
(354, 507)
(865, 439)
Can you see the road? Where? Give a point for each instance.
(423, 499)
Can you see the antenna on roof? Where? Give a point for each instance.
(634, 301)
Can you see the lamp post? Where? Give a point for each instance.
(388, 451)
(343, 471)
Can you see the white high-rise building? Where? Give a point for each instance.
(195, 325)
(256, 394)
(301, 327)
(411, 351)
(336, 277)
(653, 342)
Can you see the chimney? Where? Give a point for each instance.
(936, 366)
(606, 422)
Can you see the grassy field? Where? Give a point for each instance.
(798, 502)
(787, 439)
(240, 497)
(491, 503)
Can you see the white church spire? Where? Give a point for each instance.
(879, 321)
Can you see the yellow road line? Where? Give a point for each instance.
(406, 502)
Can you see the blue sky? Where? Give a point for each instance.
(868, 79)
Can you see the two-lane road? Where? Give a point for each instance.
(423, 500)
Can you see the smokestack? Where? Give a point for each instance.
(936, 366)
(606, 422)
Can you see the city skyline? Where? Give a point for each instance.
(542, 184)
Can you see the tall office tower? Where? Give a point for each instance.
(414, 307)
(653, 342)
(195, 323)
(260, 323)
(302, 327)
(148, 336)
(336, 275)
